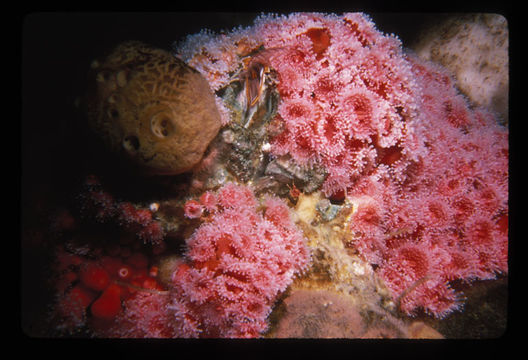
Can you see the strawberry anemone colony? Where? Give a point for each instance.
(239, 260)
(427, 173)
(242, 256)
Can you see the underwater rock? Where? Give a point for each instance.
(335, 266)
(419, 330)
(485, 313)
(327, 210)
(152, 107)
(315, 313)
(285, 169)
(319, 314)
(474, 47)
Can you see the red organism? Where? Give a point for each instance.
(141, 216)
(100, 205)
(237, 263)
(140, 221)
(434, 206)
(108, 304)
(125, 272)
(93, 289)
(425, 171)
(144, 315)
(138, 261)
(71, 307)
(240, 258)
(152, 233)
(94, 277)
(348, 96)
(208, 200)
(193, 209)
(232, 196)
(127, 213)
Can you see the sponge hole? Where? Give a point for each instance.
(131, 143)
(161, 126)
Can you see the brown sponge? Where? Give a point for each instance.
(152, 107)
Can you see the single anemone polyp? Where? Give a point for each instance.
(193, 209)
(124, 272)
